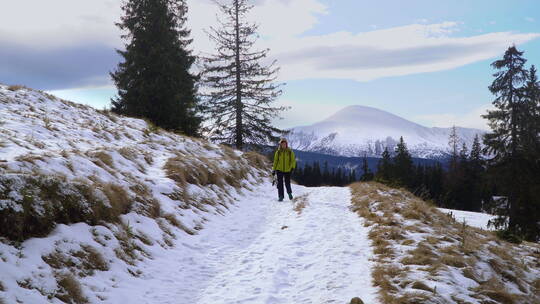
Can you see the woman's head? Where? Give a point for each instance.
(283, 143)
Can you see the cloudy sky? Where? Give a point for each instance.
(425, 60)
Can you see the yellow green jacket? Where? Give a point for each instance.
(284, 160)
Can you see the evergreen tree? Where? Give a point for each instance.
(325, 174)
(476, 175)
(154, 79)
(339, 177)
(435, 178)
(530, 128)
(367, 175)
(384, 167)
(403, 164)
(516, 173)
(241, 90)
(453, 143)
(352, 179)
(317, 176)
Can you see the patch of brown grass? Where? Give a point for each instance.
(495, 290)
(128, 153)
(421, 286)
(128, 249)
(383, 275)
(469, 273)
(69, 289)
(256, 160)
(412, 298)
(423, 254)
(118, 198)
(16, 87)
(104, 158)
(171, 218)
(84, 261)
(200, 171)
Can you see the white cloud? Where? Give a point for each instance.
(471, 119)
(411, 49)
(59, 23)
(304, 113)
(277, 19)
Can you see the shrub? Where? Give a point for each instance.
(16, 87)
(34, 204)
(257, 160)
(69, 290)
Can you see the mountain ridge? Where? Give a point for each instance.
(361, 130)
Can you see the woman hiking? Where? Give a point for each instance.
(284, 164)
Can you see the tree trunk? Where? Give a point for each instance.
(239, 127)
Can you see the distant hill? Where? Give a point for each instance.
(359, 130)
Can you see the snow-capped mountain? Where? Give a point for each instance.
(359, 130)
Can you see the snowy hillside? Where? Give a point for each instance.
(104, 194)
(423, 255)
(356, 130)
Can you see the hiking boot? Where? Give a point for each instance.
(290, 196)
(280, 199)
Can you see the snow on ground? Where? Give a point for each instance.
(201, 227)
(264, 252)
(235, 243)
(474, 219)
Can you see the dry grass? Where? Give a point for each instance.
(16, 87)
(69, 290)
(440, 243)
(49, 200)
(128, 153)
(128, 250)
(421, 286)
(84, 262)
(102, 157)
(202, 171)
(145, 203)
(495, 290)
(423, 254)
(171, 218)
(382, 276)
(256, 160)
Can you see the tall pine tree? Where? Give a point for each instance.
(514, 169)
(403, 164)
(240, 89)
(154, 79)
(367, 175)
(385, 168)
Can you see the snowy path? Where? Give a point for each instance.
(248, 256)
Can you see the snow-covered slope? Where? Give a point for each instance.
(423, 255)
(88, 197)
(356, 130)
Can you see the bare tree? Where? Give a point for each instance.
(239, 89)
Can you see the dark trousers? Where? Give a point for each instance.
(280, 177)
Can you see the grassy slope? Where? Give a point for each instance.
(425, 256)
